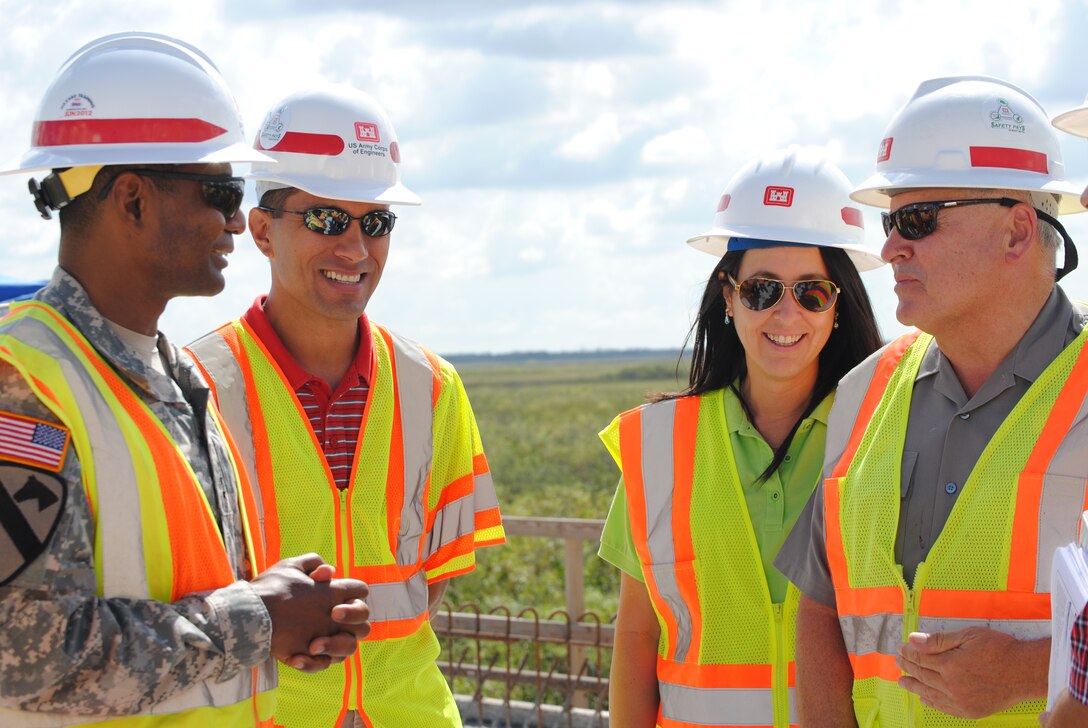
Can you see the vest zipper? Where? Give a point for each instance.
(355, 700)
(780, 681)
(910, 624)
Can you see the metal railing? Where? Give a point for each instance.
(528, 669)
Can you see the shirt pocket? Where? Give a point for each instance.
(906, 482)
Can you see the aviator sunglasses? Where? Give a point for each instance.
(759, 294)
(334, 221)
(916, 221)
(219, 191)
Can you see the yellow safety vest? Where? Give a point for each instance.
(378, 529)
(134, 476)
(990, 565)
(726, 654)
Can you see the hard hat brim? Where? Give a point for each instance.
(716, 242)
(341, 189)
(874, 191)
(91, 155)
(1074, 121)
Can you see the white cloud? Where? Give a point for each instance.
(600, 137)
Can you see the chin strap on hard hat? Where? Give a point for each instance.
(1071, 258)
(60, 187)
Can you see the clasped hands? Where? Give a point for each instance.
(317, 620)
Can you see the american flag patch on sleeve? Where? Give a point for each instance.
(32, 442)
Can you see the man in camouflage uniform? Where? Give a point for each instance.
(80, 639)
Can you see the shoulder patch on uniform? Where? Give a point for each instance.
(33, 442)
(31, 501)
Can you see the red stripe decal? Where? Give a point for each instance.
(122, 131)
(852, 216)
(723, 203)
(305, 143)
(1009, 158)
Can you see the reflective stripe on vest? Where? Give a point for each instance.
(134, 475)
(376, 530)
(965, 581)
(731, 663)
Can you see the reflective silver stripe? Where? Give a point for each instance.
(120, 525)
(415, 379)
(1021, 629)
(218, 360)
(657, 481)
(1063, 497)
(717, 706)
(484, 498)
(398, 599)
(454, 520)
(863, 635)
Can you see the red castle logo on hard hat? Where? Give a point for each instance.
(367, 132)
(780, 196)
(884, 153)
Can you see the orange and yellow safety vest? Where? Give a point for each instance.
(990, 565)
(418, 463)
(156, 534)
(726, 653)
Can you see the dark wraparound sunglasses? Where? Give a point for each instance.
(222, 192)
(759, 294)
(916, 221)
(334, 221)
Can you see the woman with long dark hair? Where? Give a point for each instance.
(715, 476)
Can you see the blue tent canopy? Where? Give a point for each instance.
(12, 289)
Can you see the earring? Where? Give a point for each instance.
(725, 320)
(836, 320)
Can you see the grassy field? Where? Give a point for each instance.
(539, 422)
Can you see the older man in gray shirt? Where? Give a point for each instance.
(955, 460)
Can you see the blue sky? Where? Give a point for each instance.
(563, 150)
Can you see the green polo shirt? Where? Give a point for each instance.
(773, 505)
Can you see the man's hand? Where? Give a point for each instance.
(1068, 712)
(974, 672)
(316, 620)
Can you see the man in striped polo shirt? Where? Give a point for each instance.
(362, 443)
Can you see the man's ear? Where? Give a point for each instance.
(260, 228)
(1023, 230)
(129, 199)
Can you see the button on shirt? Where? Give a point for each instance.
(336, 415)
(773, 505)
(946, 434)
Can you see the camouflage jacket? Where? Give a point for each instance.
(64, 649)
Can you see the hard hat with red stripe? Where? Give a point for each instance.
(332, 141)
(792, 196)
(133, 98)
(969, 132)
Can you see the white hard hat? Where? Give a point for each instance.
(790, 196)
(970, 132)
(136, 98)
(334, 141)
(1074, 121)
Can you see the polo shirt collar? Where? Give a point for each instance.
(296, 375)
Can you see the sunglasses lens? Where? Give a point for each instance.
(378, 223)
(225, 196)
(914, 221)
(759, 294)
(816, 296)
(326, 220)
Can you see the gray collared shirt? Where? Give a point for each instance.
(63, 649)
(946, 434)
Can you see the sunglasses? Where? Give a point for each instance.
(916, 221)
(334, 221)
(759, 294)
(222, 192)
